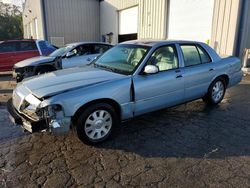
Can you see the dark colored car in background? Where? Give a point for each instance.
(72, 55)
(13, 51)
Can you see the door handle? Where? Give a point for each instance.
(89, 59)
(177, 71)
(212, 69)
(179, 76)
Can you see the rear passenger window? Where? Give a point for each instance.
(204, 56)
(191, 55)
(194, 55)
(8, 47)
(27, 46)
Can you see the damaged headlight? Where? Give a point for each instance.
(30, 108)
(33, 101)
(51, 111)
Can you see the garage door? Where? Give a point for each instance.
(190, 19)
(128, 24)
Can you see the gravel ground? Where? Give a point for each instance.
(191, 145)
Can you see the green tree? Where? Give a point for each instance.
(10, 22)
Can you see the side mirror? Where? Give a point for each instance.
(70, 54)
(151, 69)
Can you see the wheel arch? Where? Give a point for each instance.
(111, 102)
(225, 77)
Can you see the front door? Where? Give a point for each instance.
(163, 89)
(80, 57)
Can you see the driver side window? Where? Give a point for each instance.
(165, 58)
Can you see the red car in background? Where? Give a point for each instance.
(13, 51)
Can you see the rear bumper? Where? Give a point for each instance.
(235, 78)
(27, 124)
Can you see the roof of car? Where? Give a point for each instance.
(81, 43)
(156, 42)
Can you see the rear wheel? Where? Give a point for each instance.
(97, 123)
(215, 92)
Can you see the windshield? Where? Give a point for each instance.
(61, 51)
(122, 58)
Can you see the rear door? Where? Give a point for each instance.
(7, 52)
(163, 89)
(26, 49)
(198, 70)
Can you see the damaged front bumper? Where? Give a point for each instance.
(61, 126)
(18, 76)
(23, 72)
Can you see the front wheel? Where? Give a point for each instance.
(215, 92)
(96, 124)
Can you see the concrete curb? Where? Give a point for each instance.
(8, 73)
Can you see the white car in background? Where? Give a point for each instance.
(72, 55)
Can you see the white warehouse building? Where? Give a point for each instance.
(224, 24)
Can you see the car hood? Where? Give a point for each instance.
(53, 83)
(34, 61)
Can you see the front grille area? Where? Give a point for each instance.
(22, 106)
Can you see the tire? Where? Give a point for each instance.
(96, 124)
(43, 70)
(214, 97)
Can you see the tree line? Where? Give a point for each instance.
(11, 26)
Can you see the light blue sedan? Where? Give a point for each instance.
(131, 79)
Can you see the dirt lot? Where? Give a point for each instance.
(191, 145)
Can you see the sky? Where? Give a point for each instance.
(16, 2)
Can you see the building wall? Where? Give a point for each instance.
(70, 21)
(153, 19)
(226, 21)
(87, 20)
(33, 10)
